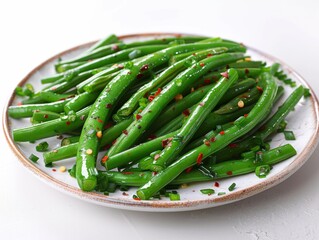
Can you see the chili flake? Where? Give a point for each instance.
(245, 115)
(144, 68)
(202, 64)
(216, 184)
(104, 159)
(115, 48)
(232, 145)
(222, 132)
(138, 116)
(100, 120)
(68, 123)
(45, 115)
(213, 139)
(158, 92)
(188, 170)
(199, 158)
(151, 98)
(225, 75)
(125, 132)
(207, 81)
(186, 112)
(246, 70)
(259, 89)
(207, 143)
(178, 97)
(157, 156)
(229, 173)
(109, 105)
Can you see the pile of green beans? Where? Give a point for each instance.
(165, 111)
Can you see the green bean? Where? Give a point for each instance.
(80, 101)
(24, 111)
(50, 128)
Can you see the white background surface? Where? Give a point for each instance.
(32, 31)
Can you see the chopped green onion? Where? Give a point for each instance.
(306, 92)
(262, 171)
(72, 171)
(42, 147)
(33, 158)
(259, 156)
(207, 191)
(174, 197)
(221, 193)
(19, 91)
(28, 91)
(289, 135)
(282, 126)
(232, 187)
(106, 193)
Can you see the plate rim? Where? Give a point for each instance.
(183, 205)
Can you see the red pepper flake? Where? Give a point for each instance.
(127, 173)
(139, 76)
(199, 158)
(138, 116)
(186, 112)
(104, 159)
(245, 115)
(68, 123)
(259, 152)
(225, 75)
(201, 104)
(209, 55)
(216, 184)
(207, 81)
(154, 173)
(129, 73)
(114, 142)
(136, 198)
(194, 54)
(259, 89)
(108, 125)
(107, 147)
(151, 98)
(158, 92)
(232, 145)
(229, 173)
(144, 68)
(202, 64)
(99, 120)
(124, 194)
(165, 142)
(120, 66)
(222, 132)
(45, 115)
(125, 132)
(109, 105)
(157, 156)
(115, 48)
(213, 139)
(53, 88)
(151, 137)
(188, 170)
(53, 170)
(207, 143)
(246, 70)
(19, 104)
(244, 96)
(82, 117)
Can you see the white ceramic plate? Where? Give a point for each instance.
(303, 121)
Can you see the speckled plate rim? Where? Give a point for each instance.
(160, 206)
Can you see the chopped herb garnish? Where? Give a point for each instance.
(232, 187)
(289, 135)
(174, 197)
(262, 171)
(72, 171)
(19, 91)
(28, 90)
(255, 149)
(282, 126)
(42, 147)
(207, 191)
(221, 193)
(111, 187)
(306, 92)
(33, 158)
